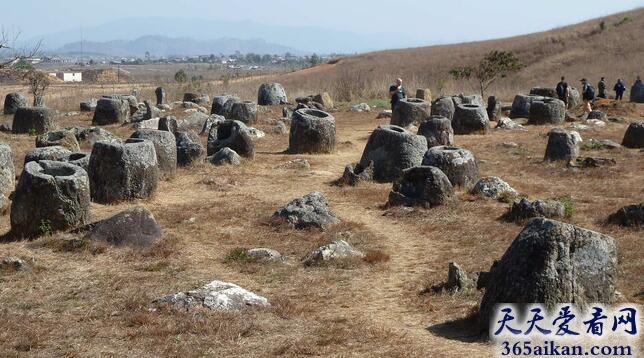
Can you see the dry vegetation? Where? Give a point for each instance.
(93, 300)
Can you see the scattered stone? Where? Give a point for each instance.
(362, 107)
(634, 136)
(225, 156)
(88, 105)
(256, 133)
(337, 250)
(387, 113)
(146, 124)
(295, 164)
(422, 185)
(7, 176)
(562, 145)
(13, 101)
(456, 278)
(65, 138)
(271, 94)
(355, 174)
(521, 210)
(120, 172)
(392, 149)
(280, 128)
(595, 162)
(470, 119)
(264, 254)
(165, 147)
(508, 124)
(189, 148)
(630, 215)
(5, 127)
(54, 153)
(551, 262)
(410, 111)
(602, 144)
(495, 188)
(596, 122)
(510, 145)
(324, 99)
(311, 210)
(110, 111)
(217, 295)
(244, 111)
(547, 111)
(312, 131)
(213, 119)
(49, 197)
(232, 134)
(457, 163)
(437, 130)
(12, 263)
(135, 227)
(33, 120)
(597, 114)
(194, 122)
(444, 107)
(580, 127)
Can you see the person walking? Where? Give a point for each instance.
(619, 89)
(562, 90)
(588, 95)
(397, 92)
(601, 87)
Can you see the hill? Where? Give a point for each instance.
(587, 49)
(169, 46)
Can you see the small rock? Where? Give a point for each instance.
(355, 174)
(595, 162)
(362, 107)
(217, 295)
(338, 249)
(134, 227)
(279, 128)
(510, 144)
(494, 187)
(384, 114)
(264, 254)
(295, 164)
(225, 156)
(456, 278)
(12, 263)
(524, 209)
(311, 210)
(602, 144)
(630, 215)
(508, 124)
(255, 133)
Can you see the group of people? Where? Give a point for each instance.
(588, 91)
(397, 92)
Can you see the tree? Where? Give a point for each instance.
(494, 65)
(315, 60)
(9, 55)
(181, 76)
(38, 82)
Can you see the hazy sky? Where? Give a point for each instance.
(425, 21)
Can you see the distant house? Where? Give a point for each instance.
(68, 76)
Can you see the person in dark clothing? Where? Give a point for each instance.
(397, 92)
(562, 90)
(619, 89)
(601, 87)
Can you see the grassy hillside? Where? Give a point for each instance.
(582, 50)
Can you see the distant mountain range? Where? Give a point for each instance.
(198, 34)
(167, 46)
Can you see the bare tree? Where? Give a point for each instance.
(10, 55)
(38, 82)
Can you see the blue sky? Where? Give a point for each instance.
(426, 22)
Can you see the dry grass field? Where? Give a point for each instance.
(94, 300)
